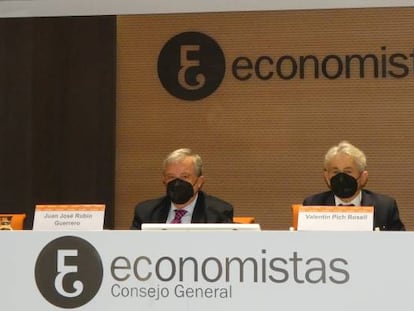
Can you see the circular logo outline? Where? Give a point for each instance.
(68, 272)
(191, 66)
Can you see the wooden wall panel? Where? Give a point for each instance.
(263, 141)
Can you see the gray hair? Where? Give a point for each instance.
(345, 147)
(180, 154)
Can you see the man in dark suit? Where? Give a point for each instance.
(346, 175)
(184, 201)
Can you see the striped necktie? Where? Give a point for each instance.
(179, 213)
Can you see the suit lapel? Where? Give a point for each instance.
(330, 199)
(160, 214)
(199, 208)
(366, 199)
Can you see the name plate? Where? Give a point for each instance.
(62, 217)
(335, 218)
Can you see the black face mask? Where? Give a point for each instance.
(179, 191)
(344, 185)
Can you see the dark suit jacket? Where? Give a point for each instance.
(386, 215)
(208, 209)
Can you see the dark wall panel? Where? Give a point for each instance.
(57, 110)
(15, 114)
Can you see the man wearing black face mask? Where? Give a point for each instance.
(346, 175)
(184, 201)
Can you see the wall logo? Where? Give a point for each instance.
(68, 272)
(191, 66)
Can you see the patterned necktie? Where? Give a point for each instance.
(179, 213)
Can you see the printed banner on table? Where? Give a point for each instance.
(137, 271)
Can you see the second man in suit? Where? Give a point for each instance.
(346, 175)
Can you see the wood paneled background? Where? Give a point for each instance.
(263, 141)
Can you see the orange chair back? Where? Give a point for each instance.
(17, 221)
(244, 220)
(295, 214)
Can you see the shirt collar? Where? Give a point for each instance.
(189, 208)
(356, 201)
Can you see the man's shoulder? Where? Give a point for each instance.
(212, 200)
(317, 198)
(150, 203)
(377, 196)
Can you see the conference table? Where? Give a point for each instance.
(206, 270)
